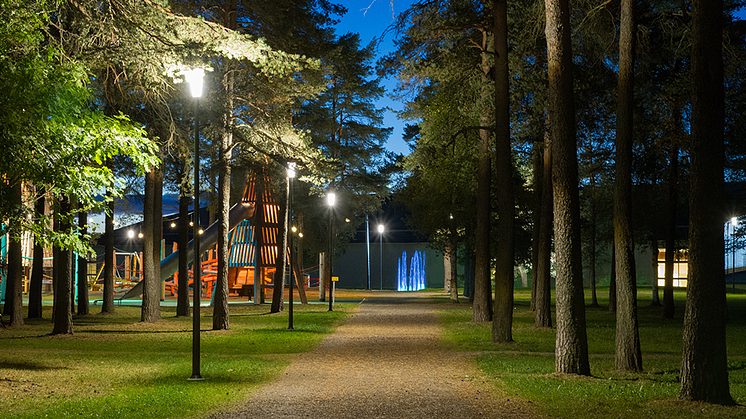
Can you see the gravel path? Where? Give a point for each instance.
(385, 362)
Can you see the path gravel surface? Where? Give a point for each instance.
(387, 361)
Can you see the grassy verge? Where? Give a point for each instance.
(115, 367)
(525, 368)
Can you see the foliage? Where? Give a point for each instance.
(52, 133)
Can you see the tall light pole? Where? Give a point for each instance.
(194, 78)
(734, 224)
(367, 244)
(291, 176)
(380, 234)
(330, 200)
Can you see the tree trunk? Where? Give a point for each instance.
(453, 256)
(37, 272)
(83, 308)
(672, 193)
(182, 300)
(502, 320)
(704, 365)
(63, 317)
(628, 353)
(278, 294)
(221, 318)
(543, 308)
(469, 268)
(14, 289)
(538, 171)
(482, 307)
(571, 353)
(612, 280)
(158, 226)
(220, 314)
(73, 260)
(592, 242)
(107, 305)
(150, 311)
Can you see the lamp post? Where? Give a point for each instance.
(330, 200)
(291, 176)
(380, 234)
(194, 78)
(734, 224)
(367, 245)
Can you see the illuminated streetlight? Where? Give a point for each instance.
(291, 176)
(330, 199)
(734, 224)
(131, 234)
(194, 78)
(380, 233)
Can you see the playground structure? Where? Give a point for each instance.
(254, 224)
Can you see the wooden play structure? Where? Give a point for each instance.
(254, 244)
(253, 251)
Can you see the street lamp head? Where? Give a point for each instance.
(140, 235)
(734, 221)
(131, 234)
(291, 170)
(331, 198)
(380, 228)
(194, 78)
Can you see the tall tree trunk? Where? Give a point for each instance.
(628, 352)
(14, 289)
(592, 242)
(571, 353)
(672, 194)
(158, 225)
(107, 306)
(150, 311)
(538, 172)
(543, 309)
(63, 317)
(453, 256)
(73, 260)
(278, 294)
(221, 319)
(83, 308)
(220, 314)
(37, 272)
(182, 300)
(704, 365)
(502, 320)
(469, 268)
(482, 307)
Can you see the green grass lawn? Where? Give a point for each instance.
(115, 367)
(525, 368)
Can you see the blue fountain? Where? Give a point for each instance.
(411, 273)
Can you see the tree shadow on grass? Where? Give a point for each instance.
(29, 366)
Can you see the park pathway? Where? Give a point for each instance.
(385, 362)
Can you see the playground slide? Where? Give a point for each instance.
(170, 264)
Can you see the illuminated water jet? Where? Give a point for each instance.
(411, 274)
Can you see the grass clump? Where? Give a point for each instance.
(525, 368)
(116, 367)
